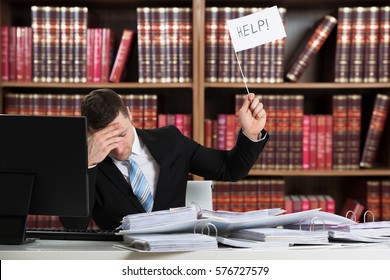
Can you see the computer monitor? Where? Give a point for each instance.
(43, 170)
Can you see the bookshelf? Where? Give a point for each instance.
(204, 99)
(316, 85)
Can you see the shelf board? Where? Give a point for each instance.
(300, 85)
(333, 173)
(94, 85)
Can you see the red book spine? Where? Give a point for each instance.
(135, 102)
(339, 107)
(211, 44)
(221, 120)
(12, 53)
(277, 193)
(264, 194)
(28, 54)
(150, 111)
(373, 201)
(66, 105)
(188, 125)
(208, 133)
(237, 196)
(185, 45)
(288, 204)
(375, 130)
(97, 57)
(330, 204)
(353, 131)
(221, 199)
(66, 46)
(38, 47)
(161, 120)
(230, 131)
(296, 132)
(225, 49)
(80, 20)
(108, 41)
(52, 43)
(90, 54)
(357, 45)
(329, 142)
(268, 155)
(251, 195)
(306, 143)
(384, 45)
(38, 104)
(311, 47)
(305, 202)
(371, 45)
(25, 104)
(321, 131)
(144, 47)
(343, 43)
(122, 56)
(282, 132)
(352, 209)
(385, 200)
(11, 103)
(4, 53)
(53, 104)
(20, 66)
(313, 142)
(179, 122)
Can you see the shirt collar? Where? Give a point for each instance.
(137, 144)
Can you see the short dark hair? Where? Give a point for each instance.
(101, 107)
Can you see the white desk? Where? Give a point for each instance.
(104, 250)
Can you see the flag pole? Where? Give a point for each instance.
(242, 73)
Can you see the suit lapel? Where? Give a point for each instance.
(115, 176)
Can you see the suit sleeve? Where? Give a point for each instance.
(230, 165)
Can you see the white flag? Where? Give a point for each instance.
(256, 29)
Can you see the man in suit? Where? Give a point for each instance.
(165, 156)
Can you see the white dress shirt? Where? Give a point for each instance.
(140, 153)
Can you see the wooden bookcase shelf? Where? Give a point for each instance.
(200, 95)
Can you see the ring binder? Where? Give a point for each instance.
(372, 215)
(354, 215)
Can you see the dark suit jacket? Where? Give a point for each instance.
(112, 198)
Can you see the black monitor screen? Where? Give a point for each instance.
(52, 151)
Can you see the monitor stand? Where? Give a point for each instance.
(15, 195)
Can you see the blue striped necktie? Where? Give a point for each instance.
(140, 186)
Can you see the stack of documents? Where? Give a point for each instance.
(290, 236)
(370, 232)
(171, 242)
(172, 220)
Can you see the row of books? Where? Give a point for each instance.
(363, 46)
(164, 44)
(59, 43)
(265, 193)
(142, 106)
(50, 222)
(263, 64)
(16, 53)
(103, 64)
(373, 199)
(289, 145)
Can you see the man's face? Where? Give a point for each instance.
(126, 136)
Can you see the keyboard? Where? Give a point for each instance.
(72, 234)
